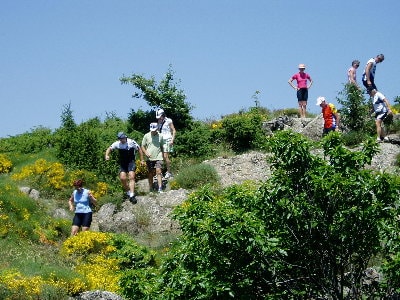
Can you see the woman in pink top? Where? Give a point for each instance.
(301, 88)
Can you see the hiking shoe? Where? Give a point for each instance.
(379, 140)
(386, 139)
(168, 175)
(133, 199)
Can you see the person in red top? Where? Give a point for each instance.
(301, 88)
(330, 115)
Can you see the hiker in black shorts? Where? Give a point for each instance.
(127, 151)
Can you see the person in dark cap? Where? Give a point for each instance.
(127, 149)
(382, 110)
(368, 77)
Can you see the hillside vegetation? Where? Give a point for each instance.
(315, 229)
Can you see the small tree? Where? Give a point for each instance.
(354, 109)
(165, 95)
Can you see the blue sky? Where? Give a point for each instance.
(55, 52)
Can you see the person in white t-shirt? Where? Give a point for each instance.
(382, 110)
(127, 149)
(368, 78)
(167, 130)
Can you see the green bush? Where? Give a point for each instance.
(243, 131)
(196, 176)
(355, 108)
(194, 141)
(34, 141)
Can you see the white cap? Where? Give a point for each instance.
(153, 126)
(159, 113)
(320, 100)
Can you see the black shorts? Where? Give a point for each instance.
(127, 167)
(154, 164)
(327, 130)
(302, 94)
(82, 219)
(372, 84)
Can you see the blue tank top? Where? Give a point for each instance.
(82, 201)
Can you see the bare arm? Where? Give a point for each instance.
(368, 72)
(337, 116)
(290, 81)
(71, 202)
(107, 155)
(92, 198)
(173, 132)
(387, 105)
(311, 82)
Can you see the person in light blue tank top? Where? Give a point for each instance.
(81, 202)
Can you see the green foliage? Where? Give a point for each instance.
(353, 138)
(310, 231)
(330, 215)
(355, 108)
(140, 120)
(139, 267)
(196, 176)
(224, 251)
(196, 141)
(243, 131)
(164, 94)
(38, 139)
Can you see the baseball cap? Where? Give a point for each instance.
(302, 66)
(320, 100)
(370, 89)
(121, 135)
(153, 126)
(159, 113)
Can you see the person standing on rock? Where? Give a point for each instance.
(330, 115)
(352, 72)
(81, 201)
(302, 88)
(127, 149)
(152, 146)
(368, 78)
(382, 110)
(167, 129)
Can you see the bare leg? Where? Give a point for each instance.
(379, 130)
(151, 173)
(124, 181)
(159, 178)
(132, 182)
(167, 161)
(302, 108)
(74, 230)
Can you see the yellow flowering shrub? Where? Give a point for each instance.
(88, 242)
(101, 190)
(91, 250)
(23, 287)
(43, 173)
(101, 273)
(5, 164)
(141, 170)
(216, 125)
(30, 288)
